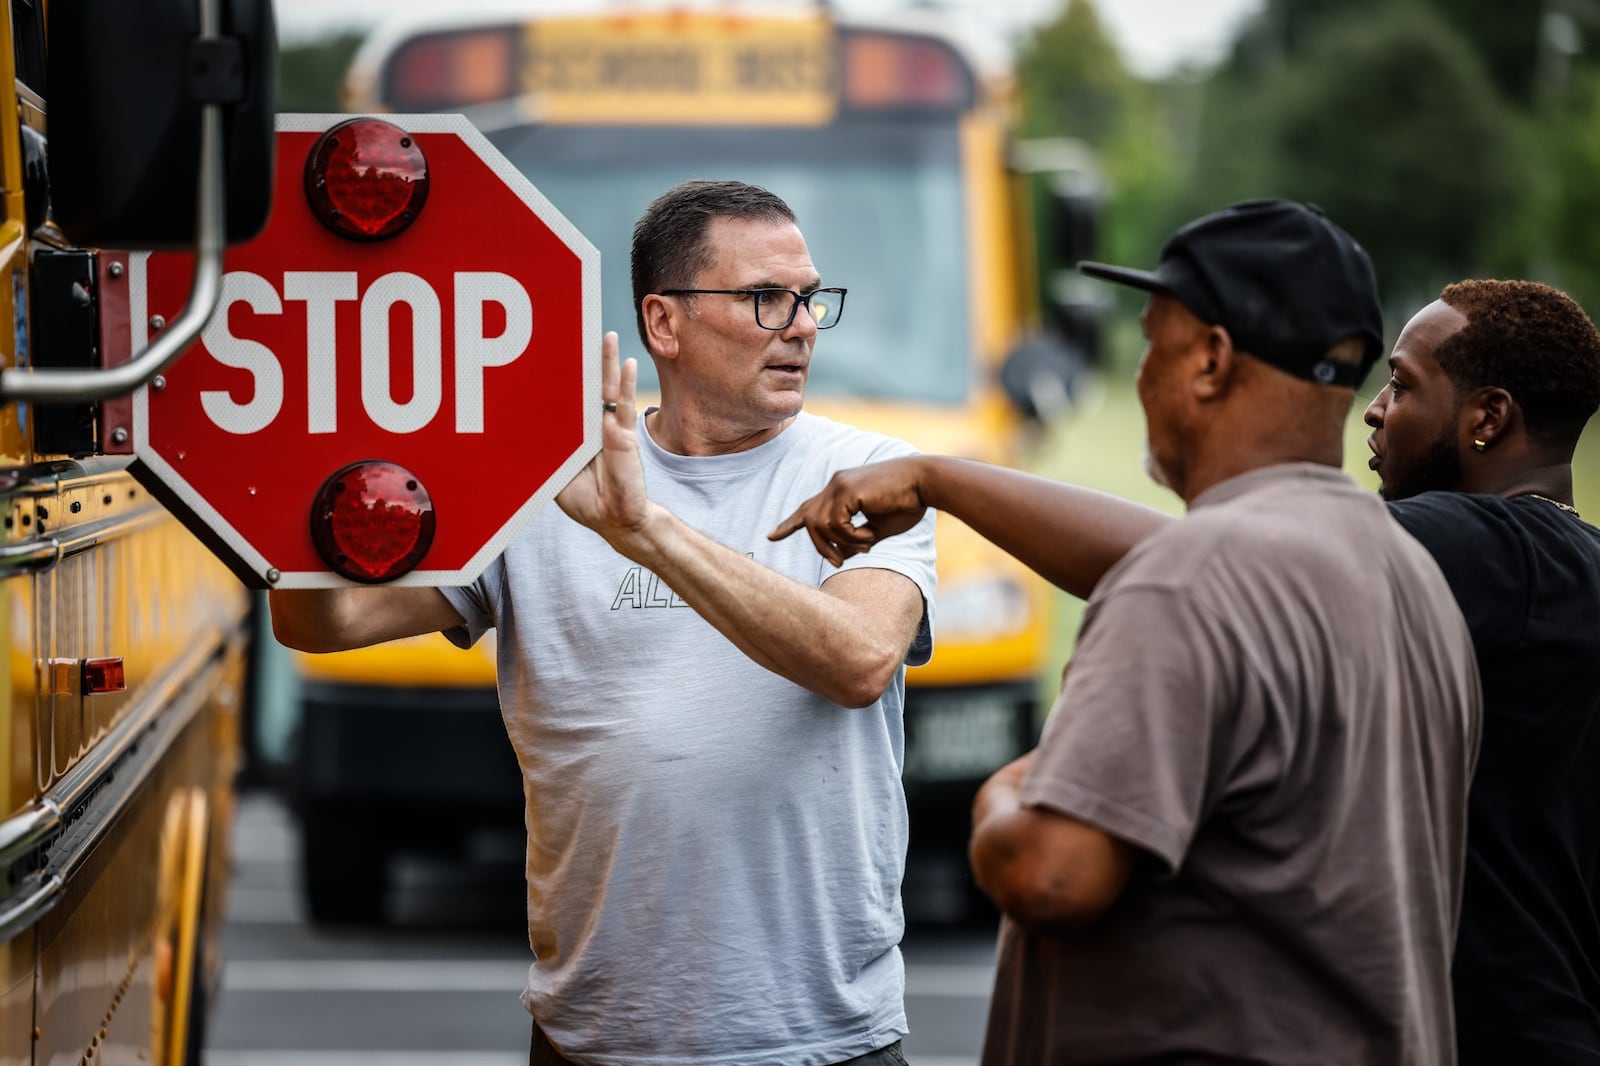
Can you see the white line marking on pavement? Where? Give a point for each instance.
(454, 975)
(373, 975)
(432, 1058)
(373, 1058)
(950, 981)
(264, 906)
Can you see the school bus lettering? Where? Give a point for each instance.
(691, 68)
(477, 347)
(766, 69)
(645, 70)
(648, 70)
(627, 69)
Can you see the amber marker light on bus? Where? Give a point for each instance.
(372, 521)
(366, 179)
(104, 674)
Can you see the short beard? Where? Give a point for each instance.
(1439, 470)
(1153, 469)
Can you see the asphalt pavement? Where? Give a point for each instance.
(439, 984)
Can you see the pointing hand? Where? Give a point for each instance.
(887, 494)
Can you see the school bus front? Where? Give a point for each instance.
(889, 141)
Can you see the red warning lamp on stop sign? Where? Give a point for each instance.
(366, 179)
(404, 368)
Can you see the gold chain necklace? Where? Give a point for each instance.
(1567, 507)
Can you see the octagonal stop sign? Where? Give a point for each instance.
(363, 385)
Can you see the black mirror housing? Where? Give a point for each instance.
(125, 85)
(1074, 222)
(1044, 376)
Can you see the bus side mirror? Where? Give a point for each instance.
(160, 135)
(125, 85)
(1074, 194)
(1074, 223)
(1044, 377)
(1077, 305)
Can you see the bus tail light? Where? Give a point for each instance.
(372, 521)
(451, 70)
(896, 72)
(366, 179)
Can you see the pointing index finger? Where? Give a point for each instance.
(787, 527)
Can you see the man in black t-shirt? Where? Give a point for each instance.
(1473, 438)
(1490, 387)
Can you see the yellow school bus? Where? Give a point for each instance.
(124, 640)
(889, 138)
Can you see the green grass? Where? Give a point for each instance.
(1102, 446)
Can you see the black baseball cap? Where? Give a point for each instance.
(1286, 283)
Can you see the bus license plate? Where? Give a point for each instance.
(951, 737)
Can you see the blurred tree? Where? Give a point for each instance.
(1394, 128)
(1289, 28)
(1454, 137)
(310, 74)
(1075, 84)
(1388, 121)
(1074, 81)
(1567, 197)
(1505, 35)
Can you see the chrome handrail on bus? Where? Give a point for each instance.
(64, 385)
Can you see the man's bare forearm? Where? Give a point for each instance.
(1067, 534)
(844, 647)
(325, 620)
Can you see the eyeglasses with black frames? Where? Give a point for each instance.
(776, 308)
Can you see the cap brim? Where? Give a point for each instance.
(1138, 279)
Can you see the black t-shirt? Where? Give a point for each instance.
(1527, 964)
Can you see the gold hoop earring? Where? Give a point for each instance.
(1478, 444)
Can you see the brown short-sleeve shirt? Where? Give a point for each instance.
(1276, 701)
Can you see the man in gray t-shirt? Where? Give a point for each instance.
(708, 724)
(1241, 838)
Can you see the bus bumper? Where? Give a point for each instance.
(385, 771)
(956, 736)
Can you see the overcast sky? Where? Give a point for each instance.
(1154, 35)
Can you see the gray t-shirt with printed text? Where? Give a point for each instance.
(714, 853)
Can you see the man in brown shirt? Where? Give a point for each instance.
(1241, 836)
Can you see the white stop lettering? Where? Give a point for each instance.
(473, 353)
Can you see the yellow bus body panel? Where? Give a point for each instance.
(92, 566)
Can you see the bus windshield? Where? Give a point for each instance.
(879, 202)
